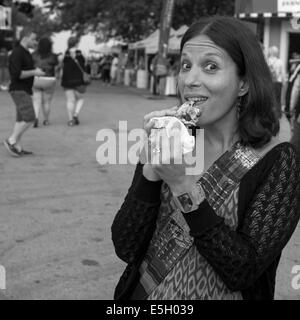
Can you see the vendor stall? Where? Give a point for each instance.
(276, 22)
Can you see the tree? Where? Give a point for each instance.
(130, 20)
(40, 22)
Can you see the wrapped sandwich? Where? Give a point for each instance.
(187, 113)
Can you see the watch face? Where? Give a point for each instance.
(185, 201)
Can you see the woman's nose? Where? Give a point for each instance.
(193, 78)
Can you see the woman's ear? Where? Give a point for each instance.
(244, 88)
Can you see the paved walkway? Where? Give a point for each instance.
(56, 208)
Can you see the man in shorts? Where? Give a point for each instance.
(22, 72)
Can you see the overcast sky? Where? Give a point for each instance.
(37, 2)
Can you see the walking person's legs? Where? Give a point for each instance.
(46, 106)
(37, 104)
(71, 104)
(25, 116)
(78, 106)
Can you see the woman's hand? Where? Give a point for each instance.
(172, 169)
(148, 124)
(169, 162)
(146, 154)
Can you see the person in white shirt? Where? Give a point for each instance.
(278, 77)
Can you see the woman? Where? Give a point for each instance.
(46, 60)
(73, 81)
(244, 206)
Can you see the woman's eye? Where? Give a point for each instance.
(185, 66)
(211, 67)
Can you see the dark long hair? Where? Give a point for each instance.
(258, 120)
(44, 47)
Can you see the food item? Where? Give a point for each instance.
(188, 113)
(170, 127)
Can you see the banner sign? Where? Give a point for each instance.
(288, 6)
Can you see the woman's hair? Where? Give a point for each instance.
(44, 47)
(258, 120)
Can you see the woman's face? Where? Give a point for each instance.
(209, 76)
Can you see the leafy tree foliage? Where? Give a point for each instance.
(129, 20)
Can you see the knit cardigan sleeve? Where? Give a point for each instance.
(241, 256)
(135, 222)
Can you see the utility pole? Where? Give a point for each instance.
(165, 26)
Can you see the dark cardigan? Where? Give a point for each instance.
(245, 259)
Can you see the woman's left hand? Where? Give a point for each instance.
(171, 165)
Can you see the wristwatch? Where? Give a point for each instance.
(190, 201)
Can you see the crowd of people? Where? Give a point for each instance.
(104, 68)
(31, 71)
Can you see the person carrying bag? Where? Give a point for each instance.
(74, 81)
(86, 77)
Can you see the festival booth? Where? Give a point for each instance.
(143, 52)
(276, 23)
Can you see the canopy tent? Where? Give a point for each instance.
(174, 41)
(150, 44)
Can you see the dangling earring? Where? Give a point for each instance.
(239, 107)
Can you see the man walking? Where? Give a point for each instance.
(22, 72)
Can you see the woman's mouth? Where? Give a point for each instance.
(197, 100)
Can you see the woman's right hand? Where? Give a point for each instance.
(148, 124)
(148, 171)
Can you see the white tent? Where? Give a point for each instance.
(150, 44)
(174, 42)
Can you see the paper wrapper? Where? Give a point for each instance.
(169, 123)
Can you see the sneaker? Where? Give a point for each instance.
(12, 149)
(26, 153)
(76, 120)
(36, 123)
(46, 123)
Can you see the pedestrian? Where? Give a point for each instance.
(105, 66)
(278, 77)
(73, 81)
(114, 69)
(294, 70)
(43, 91)
(22, 72)
(4, 78)
(226, 241)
